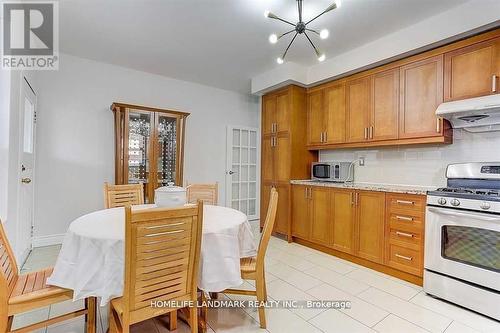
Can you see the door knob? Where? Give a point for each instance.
(26, 180)
(231, 172)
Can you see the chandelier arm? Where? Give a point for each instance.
(299, 4)
(312, 30)
(282, 20)
(312, 44)
(286, 33)
(290, 44)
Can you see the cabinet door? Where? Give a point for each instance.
(315, 117)
(282, 119)
(300, 212)
(282, 159)
(335, 113)
(384, 117)
(469, 71)
(421, 87)
(268, 113)
(265, 193)
(343, 212)
(370, 225)
(358, 109)
(320, 216)
(267, 165)
(282, 214)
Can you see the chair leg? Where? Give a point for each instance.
(90, 318)
(265, 287)
(172, 323)
(260, 287)
(193, 319)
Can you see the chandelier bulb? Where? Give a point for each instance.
(323, 34)
(273, 38)
(321, 57)
(266, 13)
(279, 60)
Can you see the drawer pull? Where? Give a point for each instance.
(405, 202)
(404, 218)
(404, 234)
(403, 257)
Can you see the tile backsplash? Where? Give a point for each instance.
(419, 165)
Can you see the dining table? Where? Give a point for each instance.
(91, 261)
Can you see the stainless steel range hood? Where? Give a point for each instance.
(480, 114)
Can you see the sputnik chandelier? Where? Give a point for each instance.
(301, 28)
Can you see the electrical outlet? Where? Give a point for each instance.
(361, 161)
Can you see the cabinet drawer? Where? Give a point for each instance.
(407, 239)
(405, 259)
(406, 203)
(407, 221)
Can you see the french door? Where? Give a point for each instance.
(242, 170)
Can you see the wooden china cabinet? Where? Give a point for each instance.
(149, 146)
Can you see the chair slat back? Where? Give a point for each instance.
(268, 228)
(162, 257)
(8, 266)
(123, 195)
(208, 193)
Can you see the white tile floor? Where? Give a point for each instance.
(380, 303)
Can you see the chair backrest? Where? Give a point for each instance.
(8, 266)
(123, 195)
(268, 228)
(162, 251)
(208, 193)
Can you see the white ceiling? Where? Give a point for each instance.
(223, 43)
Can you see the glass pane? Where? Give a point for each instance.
(138, 146)
(243, 207)
(251, 207)
(244, 173)
(28, 126)
(471, 246)
(235, 204)
(244, 191)
(236, 137)
(252, 190)
(235, 191)
(253, 139)
(252, 176)
(253, 156)
(244, 155)
(244, 138)
(167, 154)
(236, 173)
(236, 155)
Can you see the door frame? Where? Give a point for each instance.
(25, 87)
(227, 178)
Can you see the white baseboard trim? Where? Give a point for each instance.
(48, 240)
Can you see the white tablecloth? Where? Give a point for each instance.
(91, 261)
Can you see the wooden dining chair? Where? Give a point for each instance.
(208, 193)
(123, 195)
(26, 292)
(162, 253)
(253, 268)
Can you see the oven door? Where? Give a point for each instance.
(463, 245)
(321, 171)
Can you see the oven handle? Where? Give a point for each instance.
(462, 214)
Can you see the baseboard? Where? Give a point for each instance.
(48, 240)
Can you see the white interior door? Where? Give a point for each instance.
(242, 170)
(27, 123)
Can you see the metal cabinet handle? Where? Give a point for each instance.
(404, 257)
(325, 137)
(438, 125)
(404, 218)
(321, 137)
(352, 199)
(26, 180)
(493, 83)
(404, 234)
(366, 133)
(356, 196)
(371, 132)
(405, 202)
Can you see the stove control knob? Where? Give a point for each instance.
(485, 205)
(442, 201)
(455, 202)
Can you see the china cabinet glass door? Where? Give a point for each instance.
(166, 149)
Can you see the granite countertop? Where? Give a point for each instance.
(407, 189)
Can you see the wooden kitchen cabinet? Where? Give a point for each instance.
(472, 71)
(276, 113)
(385, 107)
(343, 215)
(315, 117)
(267, 156)
(321, 221)
(421, 85)
(283, 211)
(282, 158)
(358, 99)
(268, 114)
(370, 225)
(301, 224)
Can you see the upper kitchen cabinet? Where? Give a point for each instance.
(385, 109)
(358, 96)
(421, 85)
(472, 71)
(276, 109)
(315, 117)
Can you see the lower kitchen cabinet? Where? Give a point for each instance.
(321, 220)
(343, 215)
(282, 213)
(370, 225)
(301, 226)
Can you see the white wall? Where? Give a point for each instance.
(75, 132)
(4, 140)
(423, 165)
